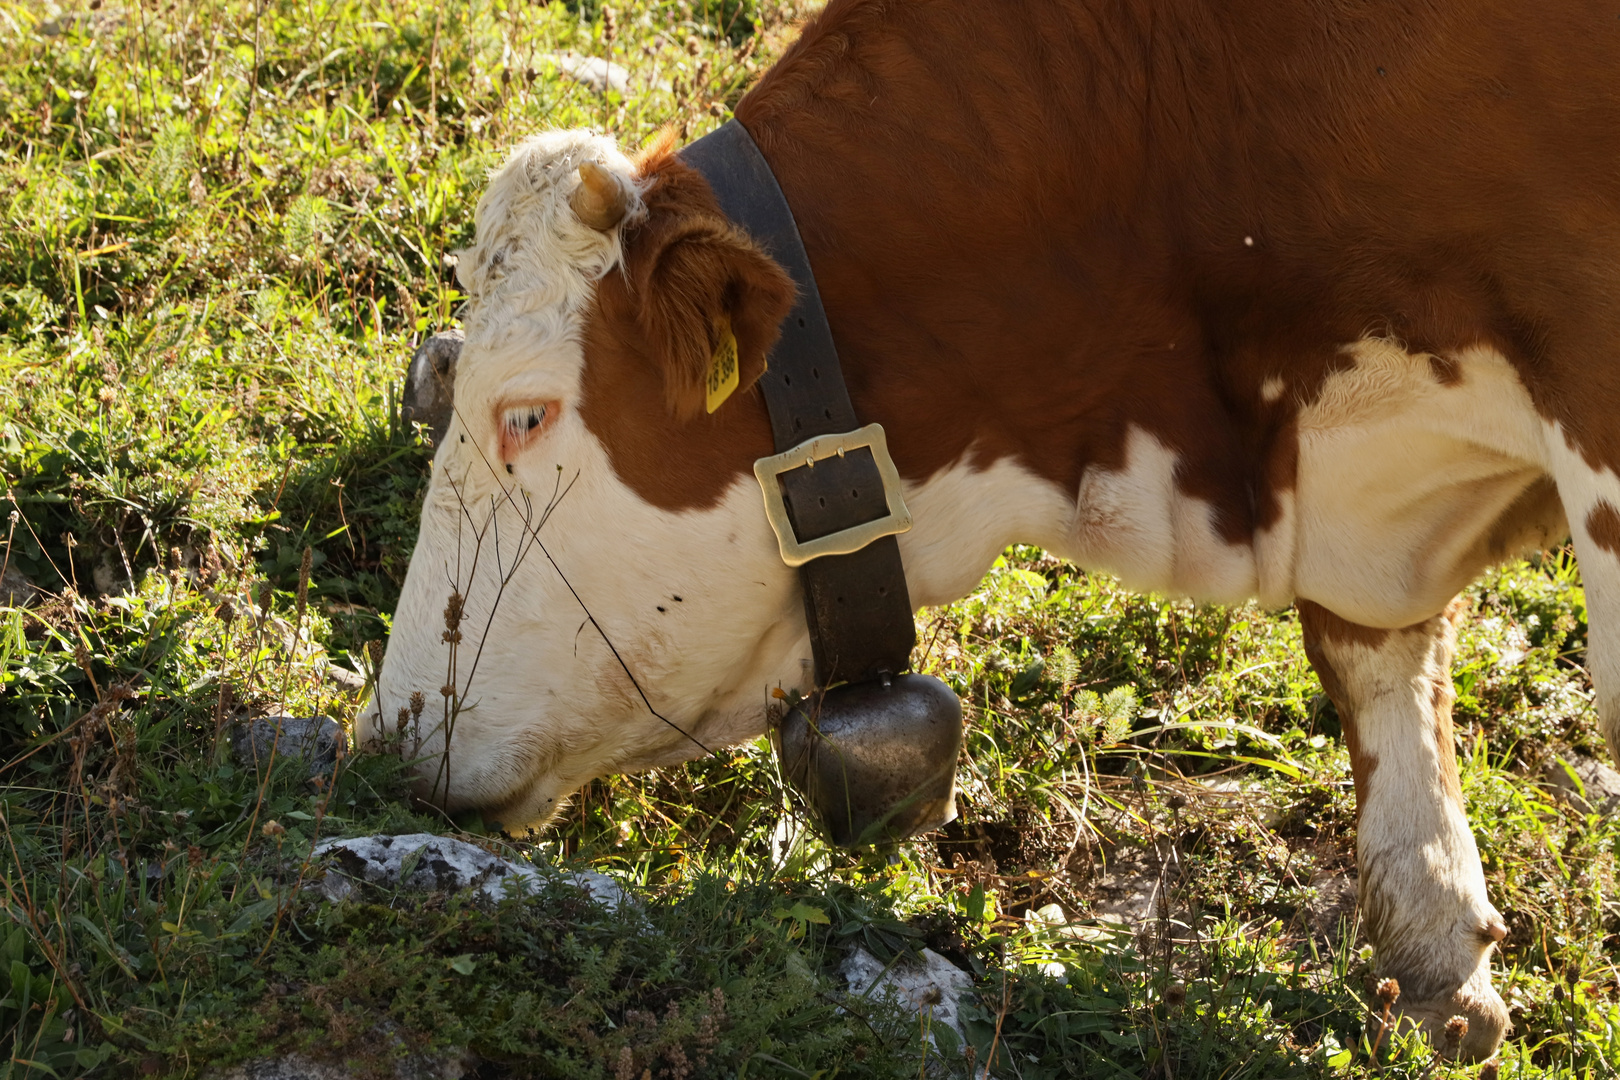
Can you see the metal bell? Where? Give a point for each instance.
(876, 761)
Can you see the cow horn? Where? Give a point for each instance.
(599, 200)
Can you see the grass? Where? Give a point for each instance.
(226, 225)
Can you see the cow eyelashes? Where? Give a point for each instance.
(520, 425)
(520, 422)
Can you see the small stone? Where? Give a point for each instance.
(933, 983)
(1599, 782)
(592, 71)
(346, 681)
(315, 739)
(16, 590)
(430, 384)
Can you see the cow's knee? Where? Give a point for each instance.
(1423, 897)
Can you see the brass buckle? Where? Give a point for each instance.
(846, 541)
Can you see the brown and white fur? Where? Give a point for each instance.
(1314, 302)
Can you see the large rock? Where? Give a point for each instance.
(314, 739)
(430, 383)
(933, 983)
(427, 862)
(1594, 788)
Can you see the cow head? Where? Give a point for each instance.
(592, 532)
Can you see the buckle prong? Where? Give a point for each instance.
(769, 470)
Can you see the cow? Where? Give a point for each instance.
(1316, 303)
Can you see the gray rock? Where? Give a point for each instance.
(934, 984)
(449, 1065)
(291, 1067)
(592, 71)
(428, 862)
(1593, 789)
(16, 590)
(315, 739)
(346, 681)
(429, 396)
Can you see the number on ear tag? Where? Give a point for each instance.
(723, 376)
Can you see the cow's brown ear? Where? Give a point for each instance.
(701, 285)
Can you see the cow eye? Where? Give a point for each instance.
(521, 424)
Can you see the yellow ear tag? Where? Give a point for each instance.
(723, 376)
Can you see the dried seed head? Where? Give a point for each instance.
(1389, 992)
(610, 25)
(447, 690)
(453, 610)
(272, 828)
(1490, 1070)
(1175, 995)
(226, 613)
(266, 591)
(418, 703)
(374, 653)
(403, 718)
(1456, 1028)
(194, 855)
(304, 565)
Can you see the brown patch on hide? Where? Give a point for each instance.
(1321, 629)
(1321, 625)
(1603, 526)
(652, 330)
(1446, 371)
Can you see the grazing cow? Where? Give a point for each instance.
(1315, 302)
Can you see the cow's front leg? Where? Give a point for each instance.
(1423, 896)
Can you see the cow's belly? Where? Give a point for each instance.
(1411, 479)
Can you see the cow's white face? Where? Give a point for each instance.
(584, 503)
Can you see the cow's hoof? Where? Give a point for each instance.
(1475, 1001)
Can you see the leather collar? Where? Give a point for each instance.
(856, 604)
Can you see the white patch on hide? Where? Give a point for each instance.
(534, 264)
(1582, 488)
(1401, 478)
(1272, 389)
(1274, 555)
(965, 516)
(1135, 523)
